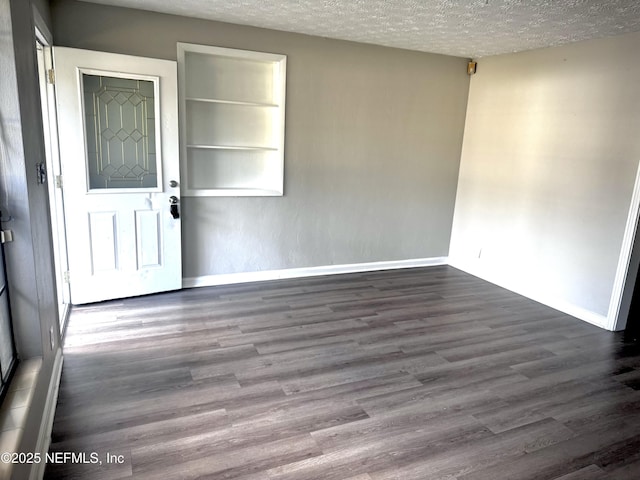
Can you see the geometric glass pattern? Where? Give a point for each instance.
(121, 136)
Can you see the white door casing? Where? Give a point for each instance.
(52, 159)
(123, 240)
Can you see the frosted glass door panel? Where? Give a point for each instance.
(120, 125)
(230, 169)
(210, 77)
(218, 124)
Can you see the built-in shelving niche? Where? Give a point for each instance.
(232, 105)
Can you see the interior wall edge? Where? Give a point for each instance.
(546, 181)
(628, 265)
(477, 270)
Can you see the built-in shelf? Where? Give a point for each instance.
(234, 147)
(232, 105)
(236, 192)
(231, 102)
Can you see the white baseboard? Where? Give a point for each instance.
(472, 268)
(64, 321)
(245, 277)
(46, 426)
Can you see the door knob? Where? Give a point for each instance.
(173, 207)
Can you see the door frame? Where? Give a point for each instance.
(628, 265)
(44, 45)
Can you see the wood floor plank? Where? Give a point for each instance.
(591, 472)
(628, 472)
(374, 454)
(563, 397)
(228, 463)
(384, 427)
(561, 458)
(471, 457)
(424, 374)
(347, 393)
(151, 433)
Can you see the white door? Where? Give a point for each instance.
(118, 130)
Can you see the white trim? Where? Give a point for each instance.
(614, 320)
(52, 160)
(232, 53)
(66, 312)
(472, 268)
(244, 277)
(46, 425)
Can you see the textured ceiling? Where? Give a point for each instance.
(465, 28)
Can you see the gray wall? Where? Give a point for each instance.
(14, 198)
(547, 171)
(373, 138)
(29, 257)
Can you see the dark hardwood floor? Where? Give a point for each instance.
(408, 374)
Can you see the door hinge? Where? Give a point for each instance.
(58, 181)
(6, 236)
(66, 276)
(51, 76)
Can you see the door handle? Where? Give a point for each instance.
(173, 207)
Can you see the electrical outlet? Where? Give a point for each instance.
(52, 338)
